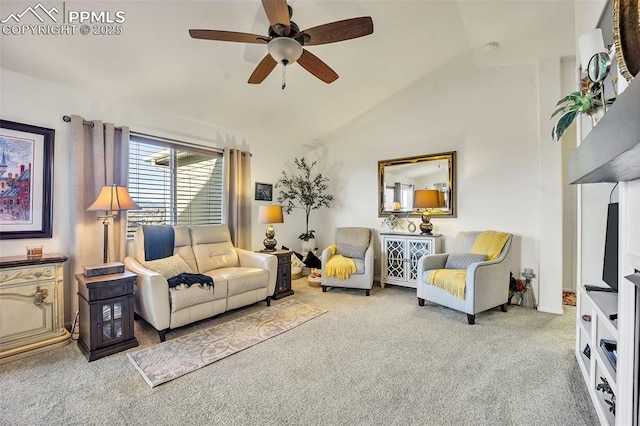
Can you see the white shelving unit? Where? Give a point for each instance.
(599, 307)
(611, 153)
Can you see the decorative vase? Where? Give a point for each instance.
(308, 246)
(595, 115)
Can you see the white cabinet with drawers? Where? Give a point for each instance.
(31, 305)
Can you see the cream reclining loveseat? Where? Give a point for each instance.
(240, 277)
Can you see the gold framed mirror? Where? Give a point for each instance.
(398, 179)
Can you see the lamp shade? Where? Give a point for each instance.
(426, 199)
(397, 205)
(270, 214)
(113, 198)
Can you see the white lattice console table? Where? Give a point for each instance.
(400, 255)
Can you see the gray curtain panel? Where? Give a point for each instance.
(100, 157)
(237, 205)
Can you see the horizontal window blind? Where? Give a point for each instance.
(174, 184)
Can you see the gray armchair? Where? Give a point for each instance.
(356, 244)
(487, 281)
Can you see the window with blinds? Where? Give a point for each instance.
(174, 185)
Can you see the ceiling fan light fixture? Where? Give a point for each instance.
(284, 50)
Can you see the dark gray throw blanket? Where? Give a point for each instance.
(188, 279)
(158, 241)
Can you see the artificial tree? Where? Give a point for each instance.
(305, 191)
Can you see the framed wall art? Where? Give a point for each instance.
(264, 191)
(26, 173)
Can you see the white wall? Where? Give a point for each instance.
(490, 117)
(569, 195)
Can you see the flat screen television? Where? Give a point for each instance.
(610, 263)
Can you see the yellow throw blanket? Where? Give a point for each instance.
(340, 266)
(452, 281)
(490, 243)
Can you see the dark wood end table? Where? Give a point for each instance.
(283, 280)
(106, 305)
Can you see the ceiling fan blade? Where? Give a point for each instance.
(229, 36)
(338, 31)
(315, 66)
(264, 68)
(278, 14)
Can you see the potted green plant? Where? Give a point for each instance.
(304, 190)
(306, 236)
(588, 102)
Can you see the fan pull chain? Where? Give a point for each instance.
(284, 75)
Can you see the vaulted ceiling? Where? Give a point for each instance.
(155, 64)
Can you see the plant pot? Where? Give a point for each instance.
(308, 245)
(595, 115)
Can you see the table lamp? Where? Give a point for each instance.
(112, 199)
(426, 199)
(270, 215)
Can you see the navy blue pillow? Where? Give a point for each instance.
(312, 261)
(158, 241)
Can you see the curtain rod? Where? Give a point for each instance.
(67, 119)
(177, 141)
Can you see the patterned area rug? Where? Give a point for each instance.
(568, 298)
(174, 358)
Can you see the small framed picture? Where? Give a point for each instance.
(264, 191)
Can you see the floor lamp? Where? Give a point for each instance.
(112, 199)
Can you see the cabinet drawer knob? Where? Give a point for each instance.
(38, 274)
(40, 295)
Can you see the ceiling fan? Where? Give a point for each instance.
(285, 41)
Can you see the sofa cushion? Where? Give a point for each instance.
(359, 266)
(240, 279)
(463, 260)
(212, 247)
(168, 267)
(182, 298)
(353, 242)
(183, 246)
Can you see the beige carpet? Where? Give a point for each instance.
(174, 358)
